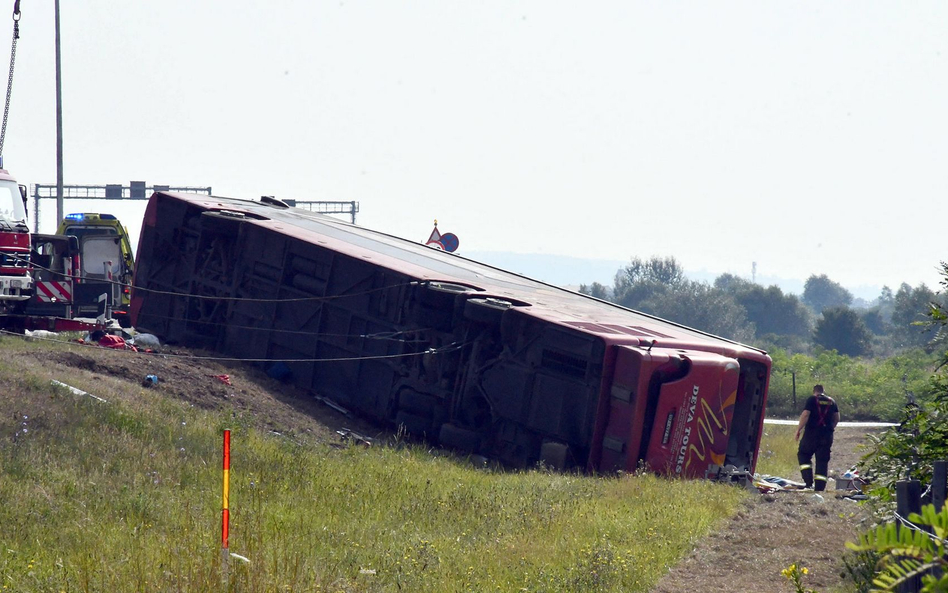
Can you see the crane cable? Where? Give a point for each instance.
(6, 107)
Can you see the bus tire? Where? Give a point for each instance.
(459, 438)
(414, 424)
(554, 455)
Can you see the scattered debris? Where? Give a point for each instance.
(77, 391)
(41, 334)
(765, 488)
(283, 436)
(146, 341)
(851, 481)
(350, 435)
(150, 381)
(784, 483)
(856, 497)
(243, 559)
(333, 405)
(108, 341)
(225, 379)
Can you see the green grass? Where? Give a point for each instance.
(778, 452)
(127, 497)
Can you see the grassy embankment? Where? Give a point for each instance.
(126, 495)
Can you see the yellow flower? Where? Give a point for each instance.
(805, 570)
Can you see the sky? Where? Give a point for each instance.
(808, 137)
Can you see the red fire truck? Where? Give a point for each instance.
(16, 282)
(63, 299)
(40, 285)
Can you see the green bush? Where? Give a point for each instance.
(865, 389)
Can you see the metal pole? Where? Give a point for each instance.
(908, 498)
(939, 484)
(59, 126)
(36, 209)
(793, 375)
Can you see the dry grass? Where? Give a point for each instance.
(778, 452)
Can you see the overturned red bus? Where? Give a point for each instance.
(470, 356)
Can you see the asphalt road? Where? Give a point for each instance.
(841, 424)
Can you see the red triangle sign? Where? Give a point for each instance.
(435, 235)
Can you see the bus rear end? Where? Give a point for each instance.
(681, 412)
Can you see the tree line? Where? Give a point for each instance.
(823, 317)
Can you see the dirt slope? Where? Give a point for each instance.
(273, 405)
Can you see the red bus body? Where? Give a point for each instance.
(471, 356)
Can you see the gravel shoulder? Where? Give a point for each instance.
(771, 532)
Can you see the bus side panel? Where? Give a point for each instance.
(617, 442)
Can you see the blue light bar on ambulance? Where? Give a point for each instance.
(107, 217)
(74, 216)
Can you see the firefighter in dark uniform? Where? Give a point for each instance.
(817, 422)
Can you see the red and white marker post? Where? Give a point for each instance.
(225, 509)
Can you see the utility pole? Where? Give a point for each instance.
(59, 126)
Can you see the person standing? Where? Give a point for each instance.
(817, 422)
